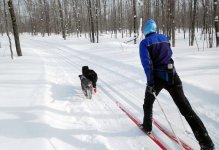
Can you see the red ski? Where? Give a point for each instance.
(171, 136)
(156, 140)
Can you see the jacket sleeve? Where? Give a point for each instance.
(146, 63)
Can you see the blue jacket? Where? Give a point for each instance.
(155, 54)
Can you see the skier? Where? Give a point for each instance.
(155, 55)
(91, 75)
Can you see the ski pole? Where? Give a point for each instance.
(182, 121)
(168, 121)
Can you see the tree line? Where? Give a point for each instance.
(95, 17)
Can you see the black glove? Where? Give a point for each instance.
(150, 89)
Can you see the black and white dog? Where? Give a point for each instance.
(86, 86)
(88, 81)
(91, 75)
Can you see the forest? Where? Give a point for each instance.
(95, 17)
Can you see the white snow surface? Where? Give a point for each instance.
(42, 106)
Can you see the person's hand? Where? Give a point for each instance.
(150, 89)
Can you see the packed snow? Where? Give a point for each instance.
(42, 106)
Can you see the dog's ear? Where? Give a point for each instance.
(85, 69)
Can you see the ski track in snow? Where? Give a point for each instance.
(111, 87)
(125, 134)
(66, 120)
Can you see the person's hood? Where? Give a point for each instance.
(149, 27)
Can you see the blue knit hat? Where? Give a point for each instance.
(149, 27)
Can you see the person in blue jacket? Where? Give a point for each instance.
(156, 59)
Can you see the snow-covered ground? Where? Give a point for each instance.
(42, 106)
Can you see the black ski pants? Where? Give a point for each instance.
(176, 91)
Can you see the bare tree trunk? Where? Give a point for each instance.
(172, 18)
(19, 16)
(29, 9)
(184, 18)
(163, 17)
(190, 18)
(157, 14)
(148, 9)
(42, 20)
(135, 20)
(115, 27)
(100, 16)
(6, 28)
(91, 21)
(80, 17)
(62, 20)
(216, 22)
(193, 22)
(168, 24)
(97, 22)
(76, 14)
(178, 22)
(1, 21)
(105, 15)
(121, 17)
(47, 17)
(15, 28)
